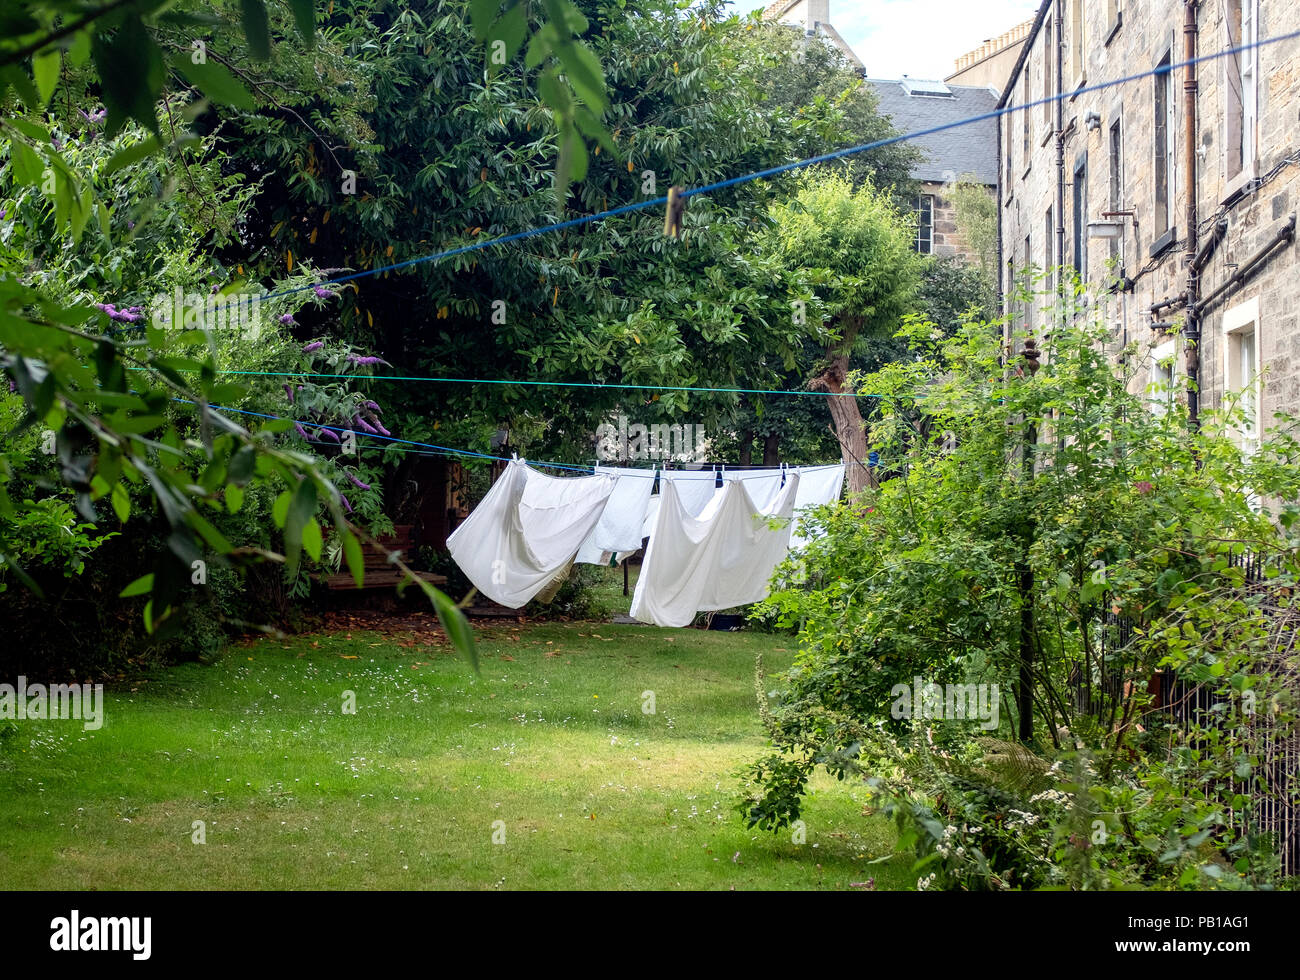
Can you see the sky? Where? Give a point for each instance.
(920, 38)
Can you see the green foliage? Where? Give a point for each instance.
(990, 552)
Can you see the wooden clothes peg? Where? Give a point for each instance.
(675, 211)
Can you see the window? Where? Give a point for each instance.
(1049, 242)
(1048, 62)
(1163, 389)
(1114, 11)
(1028, 276)
(1242, 368)
(1241, 89)
(1164, 147)
(1026, 113)
(1010, 117)
(1080, 256)
(1116, 184)
(1077, 28)
(925, 224)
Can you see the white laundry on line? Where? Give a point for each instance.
(696, 565)
(818, 486)
(620, 527)
(526, 530)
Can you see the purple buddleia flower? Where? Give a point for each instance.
(301, 431)
(344, 500)
(288, 391)
(372, 406)
(358, 359)
(380, 426)
(329, 434)
(323, 293)
(315, 345)
(355, 481)
(288, 320)
(364, 426)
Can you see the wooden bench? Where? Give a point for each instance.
(380, 573)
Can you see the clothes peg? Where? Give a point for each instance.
(674, 211)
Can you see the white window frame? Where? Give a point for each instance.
(1171, 137)
(1163, 400)
(929, 242)
(1246, 66)
(1243, 319)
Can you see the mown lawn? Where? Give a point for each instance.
(549, 750)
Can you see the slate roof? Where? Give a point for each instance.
(961, 150)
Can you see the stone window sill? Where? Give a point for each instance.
(1114, 28)
(1164, 242)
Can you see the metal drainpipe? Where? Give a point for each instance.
(1058, 16)
(1192, 322)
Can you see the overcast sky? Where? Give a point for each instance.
(920, 38)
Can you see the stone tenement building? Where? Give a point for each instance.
(1180, 187)
(960, 153)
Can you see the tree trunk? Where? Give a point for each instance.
(848, 424)
(746, 447)
(771, 443)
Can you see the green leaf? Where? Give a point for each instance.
(121, 501)
(45, 68)
(352, 554)
(140, 586)
(131, 154)
(280, 509)
(27, 165)
(256, 28)
(482, 14)
(311, 539)
(582, 68)
(302, 506)
(16, 77)
(304, 15)
(234, 499)
(454, 622)
(130, 69)
(216, 82)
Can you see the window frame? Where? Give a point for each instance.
(1161, 402)
(1165, 229)
(929, 225)
(1239, 321)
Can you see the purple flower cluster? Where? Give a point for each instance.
(323, 293)
(355, 481)
(315, 345)
(96, 117)
(359, 359)
(132, 314)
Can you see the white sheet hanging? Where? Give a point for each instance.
(526, 530)
(694, 487)
(695, 565)
(620, 527)
(818, 486)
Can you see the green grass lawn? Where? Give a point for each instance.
(549, 746)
